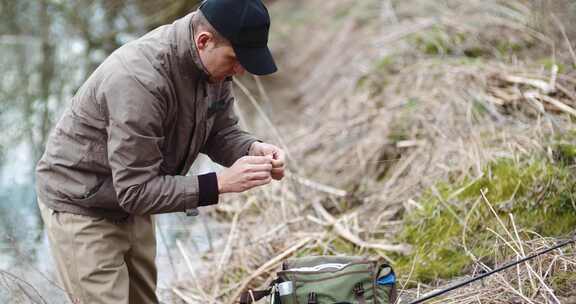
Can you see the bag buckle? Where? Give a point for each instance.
(312, 298)
(358, 290)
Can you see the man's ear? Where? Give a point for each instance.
(203, 39)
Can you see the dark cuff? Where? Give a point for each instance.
(208, 189)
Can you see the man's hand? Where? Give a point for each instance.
(246, 173)
(278, 157)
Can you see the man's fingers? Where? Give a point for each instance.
(277, 171)
(279, 154)
(277, 163)
(277, 174)
(257, 159)
(254, 171)
(260, 182)
(259, 175)
(279, 158)
(259, 167)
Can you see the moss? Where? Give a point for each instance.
(341, 245)
(397, 135)
(362, 82)
(548, 63)
(412, 103)
(475, 52)
(236, 274)
(564, 283)
(536, 191)
(479, 109)
(565, 153)
(384, 63)
(444, 40)
(433, 42)
(502, 180)
(506, 47)
(400, 127)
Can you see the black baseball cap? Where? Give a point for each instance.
(245, 23)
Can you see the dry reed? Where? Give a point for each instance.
(381, 104)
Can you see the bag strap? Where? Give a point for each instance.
(251, 296)
(394, 294)
(359, 293)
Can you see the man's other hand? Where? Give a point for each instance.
(278, 157)
(246, 173)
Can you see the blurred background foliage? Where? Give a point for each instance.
(49, 47)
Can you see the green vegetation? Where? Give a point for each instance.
(548, 63)
(564, 283)
(446, 41)
(455, 224)
(565, 153)
(436, 42)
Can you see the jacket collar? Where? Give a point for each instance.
(186, 47)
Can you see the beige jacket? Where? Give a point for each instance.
(135, 127)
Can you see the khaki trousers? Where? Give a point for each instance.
(99, 261)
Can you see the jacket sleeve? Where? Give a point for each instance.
(227, 142)
(135, 139)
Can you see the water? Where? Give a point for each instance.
(27, 273)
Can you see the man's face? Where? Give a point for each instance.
(219, 58)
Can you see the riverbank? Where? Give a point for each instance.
(401, 119)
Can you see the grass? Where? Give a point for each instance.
(537, 191)
(565, 283)
(395, 111)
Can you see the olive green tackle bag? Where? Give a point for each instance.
(330, 280)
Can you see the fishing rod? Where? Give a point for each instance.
(489, 273)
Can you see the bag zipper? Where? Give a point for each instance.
(372, 264)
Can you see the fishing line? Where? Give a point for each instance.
(489, 273)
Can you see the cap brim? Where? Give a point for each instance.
(257, 61)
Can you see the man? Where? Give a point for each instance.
(121, 150)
